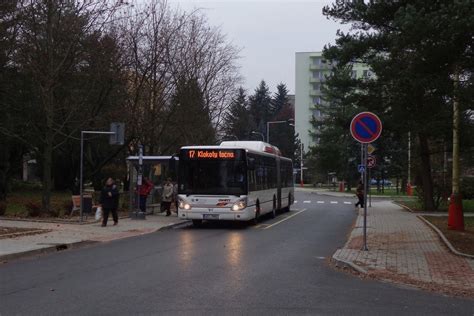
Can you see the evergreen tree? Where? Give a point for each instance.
(283, 135)
(413, 49)
(280, 99)
(192, 124)
(238, 123)
(261, 107)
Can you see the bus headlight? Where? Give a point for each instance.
(239, 205)
(184, 205)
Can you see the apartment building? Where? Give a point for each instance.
(310, 73)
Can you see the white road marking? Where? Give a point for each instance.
(294, 202)
(306, 202)
(333, 202)
(320, 202)
(347, 202)
(286, 218)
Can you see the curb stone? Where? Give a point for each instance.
(349, 264)
(55, 248)
(439, 232)
(444, 239)
(404, 207)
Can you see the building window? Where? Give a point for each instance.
(316, 113)
(367, 74)
(316, 86)
(316, 61)
(354, 74)
(317, 100)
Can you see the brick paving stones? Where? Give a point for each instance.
(403, 248)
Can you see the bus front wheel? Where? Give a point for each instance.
(197, 222)
(254, 221)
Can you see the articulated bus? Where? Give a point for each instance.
(235, 181)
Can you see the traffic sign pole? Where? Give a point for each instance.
(366, 128)
(370, 188)
(364, 162)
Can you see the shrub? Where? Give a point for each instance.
(19, 185)
(67, 207)
(3, 208)
(467, 188)
(53, 212)
(33, 209)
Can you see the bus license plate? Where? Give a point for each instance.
(210, 216)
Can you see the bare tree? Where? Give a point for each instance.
(53, 46)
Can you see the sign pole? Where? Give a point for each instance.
(365, 196)
(370, 188)
(81, 176)
(365, 128)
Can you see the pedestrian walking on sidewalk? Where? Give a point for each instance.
(360, 194)
(109, 199)
(167, 196)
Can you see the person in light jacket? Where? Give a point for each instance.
(167, 196)
(109, 199)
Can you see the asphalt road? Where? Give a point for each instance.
(277, 267)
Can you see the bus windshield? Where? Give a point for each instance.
(213, 177)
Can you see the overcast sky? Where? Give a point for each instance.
(269, 33)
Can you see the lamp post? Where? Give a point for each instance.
(289, 122)
(258, 133)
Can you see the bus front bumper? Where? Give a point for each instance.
(204, 214)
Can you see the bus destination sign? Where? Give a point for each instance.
(211, 154)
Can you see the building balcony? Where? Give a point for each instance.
(323, 66)
(312, 79)
(313, 92)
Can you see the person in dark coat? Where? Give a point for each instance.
(360, 194)
(109, 199)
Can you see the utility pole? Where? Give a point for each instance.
(301, 165)
(409, 188)
(455, 216)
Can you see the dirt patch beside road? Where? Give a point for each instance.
(12, 232)
(462, 241)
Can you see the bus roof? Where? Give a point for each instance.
(154, 158)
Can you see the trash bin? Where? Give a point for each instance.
(87, 207)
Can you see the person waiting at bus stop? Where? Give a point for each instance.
(144, 191)
(360, 194)
(167, 196)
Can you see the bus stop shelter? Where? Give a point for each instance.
(157, 169)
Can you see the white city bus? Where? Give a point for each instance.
(236, 181)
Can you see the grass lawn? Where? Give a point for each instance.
(387, 192)
(61, 202)
(414, 204)
(16, 201)
(462, 241)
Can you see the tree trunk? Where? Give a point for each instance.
(4, 166)
(425, 171)
(47, 171)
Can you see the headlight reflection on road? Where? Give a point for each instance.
(187, 250)
(234, 249)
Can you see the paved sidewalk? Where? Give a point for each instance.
(70, 234)
(404, 249)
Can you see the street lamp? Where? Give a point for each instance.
(289, 122)
(258, 133)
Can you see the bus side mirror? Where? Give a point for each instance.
(251, 164)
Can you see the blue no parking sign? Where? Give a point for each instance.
(366, 127)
